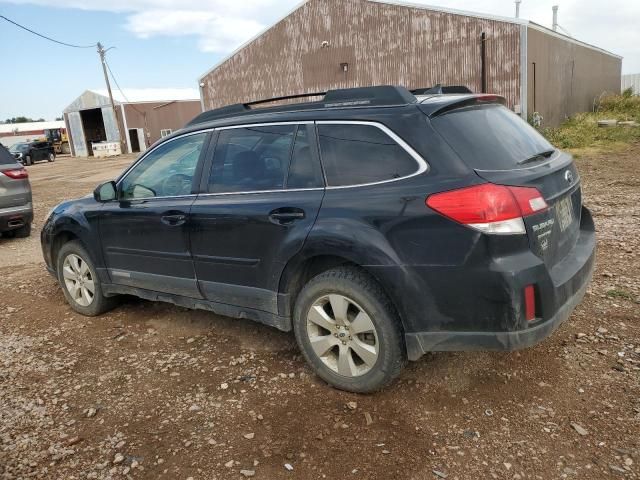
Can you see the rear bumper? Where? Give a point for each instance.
(15, 217)
(560, 290)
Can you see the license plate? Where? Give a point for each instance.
(564, 213)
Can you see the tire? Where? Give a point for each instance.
(66, 149)
(85, 270)
(27, 161)
(51, 157)
(381, 333)
(23, 232)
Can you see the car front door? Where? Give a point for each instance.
(263, 196)
(145, 232)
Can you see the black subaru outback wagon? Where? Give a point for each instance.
(377, 224)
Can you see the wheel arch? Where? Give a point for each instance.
(302, 268)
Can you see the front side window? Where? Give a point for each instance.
(165, 172)
(354, 154)
(252, 159)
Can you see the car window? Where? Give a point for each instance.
(494, 137)
(360, 154)
(304, 171)
(251, 159)
(165, 172)
(5, 157)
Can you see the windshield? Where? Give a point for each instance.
(492, 137)
(19, 147)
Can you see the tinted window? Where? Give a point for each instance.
(5, 157)
(251, 159)
(491, 137)
(357, 154)
(304, 172)
(165, 172)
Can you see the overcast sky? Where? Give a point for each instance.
(168, 43)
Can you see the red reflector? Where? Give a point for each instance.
(529, 303)
(487, 203)
(16, 173)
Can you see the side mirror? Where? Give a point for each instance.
(106, 192)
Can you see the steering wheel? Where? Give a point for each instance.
(176, 185)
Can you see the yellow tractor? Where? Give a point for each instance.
(59, 139)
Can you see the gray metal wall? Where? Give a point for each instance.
(569, 77)
(381, 43)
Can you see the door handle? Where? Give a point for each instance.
(174, 220)
(286, 215)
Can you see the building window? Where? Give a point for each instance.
(165, 132)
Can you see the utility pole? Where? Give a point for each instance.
(102, 52)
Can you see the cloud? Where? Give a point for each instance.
(216, 33)
(222, 25)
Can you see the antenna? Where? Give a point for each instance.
(518, 2)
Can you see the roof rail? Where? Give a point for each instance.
(440, 90)
(348, 97)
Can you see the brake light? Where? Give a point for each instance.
(529, 303)
(497, 209)
(16, 173)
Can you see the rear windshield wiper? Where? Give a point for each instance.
(537, 156)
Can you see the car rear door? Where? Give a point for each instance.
(263, 195)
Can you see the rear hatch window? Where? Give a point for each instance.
(491, 137)
(5, 157)
(505, 150)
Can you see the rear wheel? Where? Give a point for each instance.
(80, 284)
(348, 331)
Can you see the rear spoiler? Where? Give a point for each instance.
(435, 106)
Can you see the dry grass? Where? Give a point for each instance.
(582, 131)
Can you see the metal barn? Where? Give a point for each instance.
(143, 116)
(325, 44)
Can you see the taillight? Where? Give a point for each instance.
(529, 303)
(16, 173)
(497, 209)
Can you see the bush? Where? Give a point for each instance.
(582, 130)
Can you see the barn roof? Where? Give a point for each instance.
(29, 126)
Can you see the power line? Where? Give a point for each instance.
(120, 89)
(44, 36)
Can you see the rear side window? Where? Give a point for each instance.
(360, 154)
(5, 157)
(492, 137)
(304, 171)
(252, 159)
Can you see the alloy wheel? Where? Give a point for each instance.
(342, 335)
(78, 280)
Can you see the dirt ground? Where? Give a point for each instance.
(152, 391)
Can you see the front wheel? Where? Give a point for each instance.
(80, 284)
(27, 161)
(348, 331)
(51, 157)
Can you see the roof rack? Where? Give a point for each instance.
(441, 90)
(348, 97)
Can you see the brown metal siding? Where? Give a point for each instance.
(568, 77)
(153, 117)
(382, 43)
